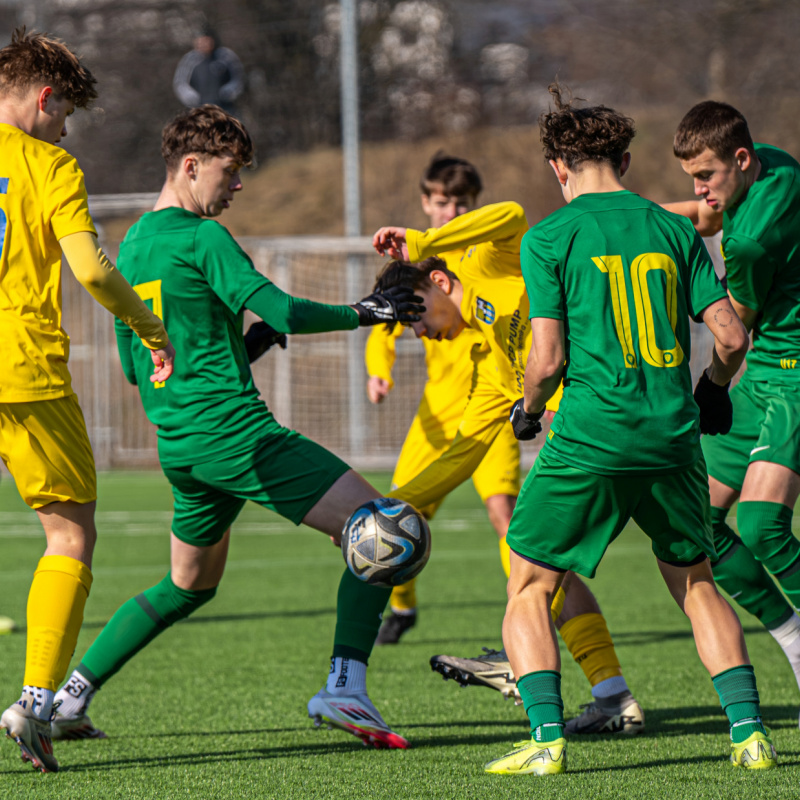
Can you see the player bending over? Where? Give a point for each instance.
(613, 279)
(752, 192)
(218, 444)
(488, 297)
(44, 214)
(450, 187)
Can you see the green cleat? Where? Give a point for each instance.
(755, 752)
(532, 758)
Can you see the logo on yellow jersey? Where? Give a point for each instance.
(484, 311)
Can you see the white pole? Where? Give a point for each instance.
(349, 79)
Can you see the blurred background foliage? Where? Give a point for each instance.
(467, 75)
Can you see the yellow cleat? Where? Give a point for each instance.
(755, 752)
(532, 758)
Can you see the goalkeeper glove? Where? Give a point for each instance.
(525, 425)
(396, 304)
(259, 338)
(716, 409)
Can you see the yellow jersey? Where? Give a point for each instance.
(42, 200)
(494, 305)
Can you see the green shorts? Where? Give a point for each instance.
(766, 427)
(566, 517)
(285, 472)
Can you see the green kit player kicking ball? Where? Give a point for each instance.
(616, 279)
(752, 192)
(218, 443)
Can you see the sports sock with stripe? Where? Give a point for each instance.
(747, 582)
(541, 697)
(738, 696)
(135, 624)
(56, 602)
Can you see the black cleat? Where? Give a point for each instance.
(394, 627)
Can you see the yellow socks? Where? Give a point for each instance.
(404, 598)
(590, 643)
(55, 613)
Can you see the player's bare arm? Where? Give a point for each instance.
(730, 341)
(706, 220)
(545, 363)
(746, 314)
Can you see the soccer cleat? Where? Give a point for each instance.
(755, 752)
(77, 727)
(491, 669)
(30, 733)
(394, 627)
(619, 713)
(355, 714)
(532, 758)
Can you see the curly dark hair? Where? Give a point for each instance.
(207, 130)
(36, 58)
(713, 125)
(576, 135)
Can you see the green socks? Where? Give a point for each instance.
(541, 697)
(738, 696)
(766, 528)
(358, 617)
(739, 573)
(136, 623)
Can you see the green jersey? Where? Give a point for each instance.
(761, 247)
(198, 280)
(624, 276)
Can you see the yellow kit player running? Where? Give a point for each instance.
(450, 187)
(487, 296)
(43, 441)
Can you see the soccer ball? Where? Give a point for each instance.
(386, 542)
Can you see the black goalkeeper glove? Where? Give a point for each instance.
(396, 304)
(260, 337)
(525, 425)
(716, 409)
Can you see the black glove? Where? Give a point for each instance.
(260, 337)
(525, 425)
(396, 304)
(716, 409)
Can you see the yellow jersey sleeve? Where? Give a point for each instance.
(501, 224)
(484, 417)
(381, 351)
(105, 284)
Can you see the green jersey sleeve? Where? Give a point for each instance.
(226, 267)
(704, 286)
(125, 341)
(288, 314)
(540, 270)
(750, 270)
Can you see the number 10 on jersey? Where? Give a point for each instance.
(649, 351)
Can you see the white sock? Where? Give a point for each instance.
(788, 637)
(347, 676)
(404, 612)
(42, 700)
(74, 696)
(610, 686)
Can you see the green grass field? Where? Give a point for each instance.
(216, 707)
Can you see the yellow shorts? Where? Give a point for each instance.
(498, 473)
(46, 449)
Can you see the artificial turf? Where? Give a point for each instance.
(215, 707)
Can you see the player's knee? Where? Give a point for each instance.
(172, 603)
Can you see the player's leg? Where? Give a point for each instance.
(761, 426)
(47, 450)
(195, 573)
(720, 645)
(425, 441)
(674, 512)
